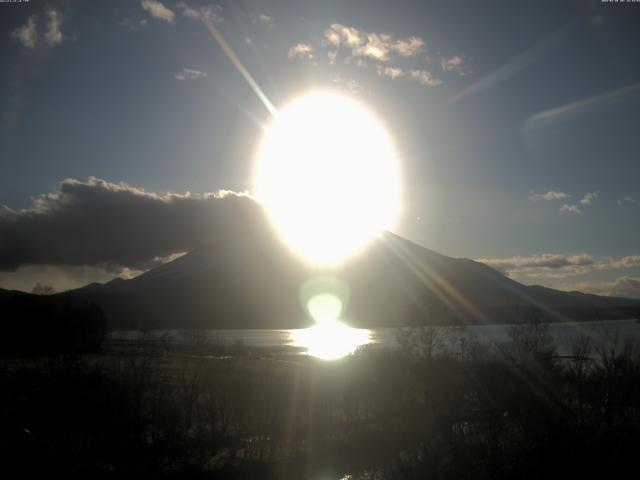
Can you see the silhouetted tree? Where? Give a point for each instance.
(40, 289)
(41, 325)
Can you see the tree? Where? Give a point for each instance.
(40, 289)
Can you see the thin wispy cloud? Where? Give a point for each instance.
(377, 46)
(550, 195)
(391, 57)
(454, 64)
(189, 74)
(553, 195)
(301, 50)
(158, 10)
(553, 265)
(391, 72)
(132, 23)
(27, 34)
(349, 84)
(424, 78)
(626, 287)
(53, 34)
(626, 200)
(50, 33)
(409, 47)
(567, 208)
(546, 260)
(211, 13)
(263, 19)
(589, 197)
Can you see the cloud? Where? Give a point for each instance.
(626, 200)
(553, 265)
(263, 19)
(209, 13)
(589, 198)
(409, 47)
(157, 10)
(550, 195)
(566, 208)
(453, 64)
(348, 84)
(53, 35)
(387, 54)
(116, 225)
(546, 260)
(358, 62)
(338, 34)
(189, 74)
(424, 78)
(27, 34)
(391, 72)
(377, 46)
(628, 287)
(132, 23)
(301, 50)
(61, 277)
(624, 262)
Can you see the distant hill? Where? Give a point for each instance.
(45, 324)
(249, 279)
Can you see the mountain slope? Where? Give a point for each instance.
(249, 279)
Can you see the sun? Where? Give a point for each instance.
(327, 174)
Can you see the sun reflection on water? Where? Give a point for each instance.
(331, 340)
(325, 298)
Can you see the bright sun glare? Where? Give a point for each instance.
(331, 341)
(325, 298)
(327, 174)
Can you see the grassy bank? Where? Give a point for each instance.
(214, 411)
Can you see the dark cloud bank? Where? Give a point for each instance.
(102, 223)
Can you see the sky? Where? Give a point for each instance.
(515, 123)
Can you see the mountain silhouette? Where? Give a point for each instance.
(248, 278)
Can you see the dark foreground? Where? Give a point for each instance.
(204, 411)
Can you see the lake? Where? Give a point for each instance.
(330, 342)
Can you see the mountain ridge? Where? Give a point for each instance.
(250, 279)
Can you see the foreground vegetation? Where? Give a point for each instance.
(159, 410)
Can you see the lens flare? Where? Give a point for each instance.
(325, 299)
(325, 308)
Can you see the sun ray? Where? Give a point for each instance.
(217, 36)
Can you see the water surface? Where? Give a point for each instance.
(606, 333)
